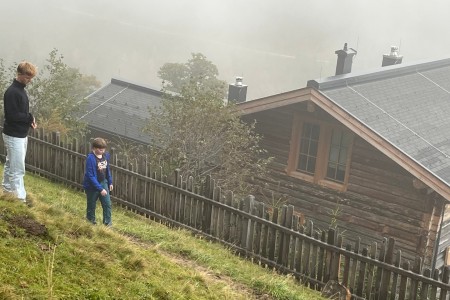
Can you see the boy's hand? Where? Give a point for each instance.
(111, 187)
(103, 192)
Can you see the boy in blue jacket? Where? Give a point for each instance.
(98, 181)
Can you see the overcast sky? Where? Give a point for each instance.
(276, 45)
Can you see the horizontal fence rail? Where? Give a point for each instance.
(271, 237)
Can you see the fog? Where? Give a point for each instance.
(275, 45)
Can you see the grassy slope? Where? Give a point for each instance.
(137, 259)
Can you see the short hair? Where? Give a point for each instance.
(26, 68)
(99, 143)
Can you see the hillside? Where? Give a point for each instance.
(48, 251)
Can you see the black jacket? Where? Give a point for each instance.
(16, 108)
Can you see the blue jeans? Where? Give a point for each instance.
(14, 171)
(92, 196)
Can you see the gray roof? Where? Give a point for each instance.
(121, 108)
(406, 105)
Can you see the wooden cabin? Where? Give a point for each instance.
(368, 153)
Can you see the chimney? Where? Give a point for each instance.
(393, 58)
(237, 92)
(344, 60)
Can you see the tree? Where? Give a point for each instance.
(197, 133)
(57, 95)
(198, 70)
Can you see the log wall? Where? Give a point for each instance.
(380, 200)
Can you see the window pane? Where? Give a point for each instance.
(343, 156)
(334, 154)
(337, 157)
(308, 148)
(311, 165)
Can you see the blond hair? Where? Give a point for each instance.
(26, 68)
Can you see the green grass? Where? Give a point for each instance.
(49, 251)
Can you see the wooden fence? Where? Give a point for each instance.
(271, 237)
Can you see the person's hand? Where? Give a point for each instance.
(34, 125)
(103, 192)
(111, 187)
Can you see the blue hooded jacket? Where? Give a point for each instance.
(90, 181)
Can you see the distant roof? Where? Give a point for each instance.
(403, 110)
(121, 108)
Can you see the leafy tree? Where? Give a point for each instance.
(198, 70)
(57, 95)
(197, 133)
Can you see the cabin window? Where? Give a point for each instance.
(320, 153)
(337, 158)
(309, 144)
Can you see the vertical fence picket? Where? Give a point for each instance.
(424, 288)
(370, 271)
(386, 276)
(260, 208)
(307, 251)
(433, 289)
(272, 235)
(227, 218)
(403, 283)
(314, 265)
(414, 287)
(379, 271)
(265, 235)
(354, 265)
(235, 221)
(397, 263)
(299, 252)
(445, 279)
(361, 275)
(346, 273)
(221, 218)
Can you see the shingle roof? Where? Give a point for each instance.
(121, 108)
(406, 105)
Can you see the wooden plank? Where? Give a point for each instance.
(354, 267)
(272, 235)
(299, 252)
(445, 279)
(370, 271)
(379, 270)
(395, 280)
(425, 286)
(346, 274)
(331, 239)
(260, 208)
(386, 275)
(361, 275)
(307, 251)
(227, 218)
(433, 289)
(321, 260)
(417, 268)
(403, 283)
(314, 266)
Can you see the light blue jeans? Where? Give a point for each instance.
(14, 171)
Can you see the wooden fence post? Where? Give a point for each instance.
(386, 276)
